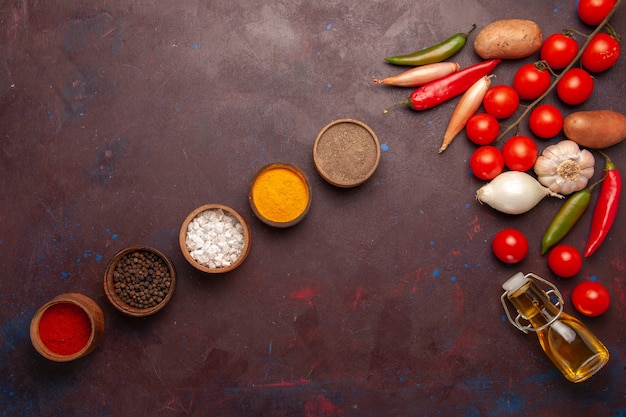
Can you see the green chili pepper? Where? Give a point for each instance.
(565, 219)
(435, 53)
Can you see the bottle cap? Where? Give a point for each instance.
(515, 282)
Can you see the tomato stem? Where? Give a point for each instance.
(532, 105)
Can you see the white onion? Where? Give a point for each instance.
(513, 192)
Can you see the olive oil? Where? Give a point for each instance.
(569, 344)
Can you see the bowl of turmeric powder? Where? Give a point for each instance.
(280, 195)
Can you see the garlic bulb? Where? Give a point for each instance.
(564, 168)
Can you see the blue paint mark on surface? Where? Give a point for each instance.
(508, 403)
(453, 279)
(329, 26)
(329, 86)
(468, 205)
(114, 236)
(432, 243)
(195, 46)
(384, 147)
(65, 275)
(318, 53)
(99, 257)
(436, 273)
(593, 278)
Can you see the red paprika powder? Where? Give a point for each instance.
(65, 328)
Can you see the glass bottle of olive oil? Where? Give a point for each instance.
(571, 346)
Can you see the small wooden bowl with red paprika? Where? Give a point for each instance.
(67, 327)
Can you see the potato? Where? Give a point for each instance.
(508, 39)
(595, 129)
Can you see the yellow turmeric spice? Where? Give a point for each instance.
(280, 194)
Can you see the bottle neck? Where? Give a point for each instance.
(534, 305)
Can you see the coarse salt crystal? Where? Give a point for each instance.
(215, 238)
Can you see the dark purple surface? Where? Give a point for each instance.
(118, 118)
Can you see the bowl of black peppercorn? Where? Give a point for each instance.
(139, 281)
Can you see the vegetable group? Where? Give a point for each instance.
(510, 246)
(513, 192)
(446, 88)
(508, 39)
(420, 75)
(595, 129)
(467, 106)
(591, 298)
(564, 167)
(435, 53)
(565, 219)
(606, 207)
(565, 261)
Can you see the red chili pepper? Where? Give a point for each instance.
(439, 91)
(606, 207)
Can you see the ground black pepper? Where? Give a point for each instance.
(141, 279)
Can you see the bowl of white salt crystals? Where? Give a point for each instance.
(214, 238)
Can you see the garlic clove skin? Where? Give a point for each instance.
(564, 168)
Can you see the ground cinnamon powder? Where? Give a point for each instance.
(280, 194)
(64, 328)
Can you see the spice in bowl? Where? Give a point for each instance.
(280, 195)
(139, 280)
(346, 153)
(64, 328)
(68, 327)
(215, 238)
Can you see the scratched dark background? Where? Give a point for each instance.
(117, 118)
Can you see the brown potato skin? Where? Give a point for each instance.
(508, 39)
(595, 129)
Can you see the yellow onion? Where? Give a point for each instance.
(564, 168)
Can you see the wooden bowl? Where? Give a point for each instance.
(214, 265)
(116, 298)
(86, 306)
(288, 212)
(346, 153)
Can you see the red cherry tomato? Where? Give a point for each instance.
(486, 162)
(575, 87)
(593, 12)
(501, 101)
(482, 129)
(558, 50)
(520, 153)
(565, 261)
(510, 246)
(530, 82)
(591, 298)
(546, 121)
(601, 54)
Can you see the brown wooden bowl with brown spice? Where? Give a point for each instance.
(346, 153)
(139, 281)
